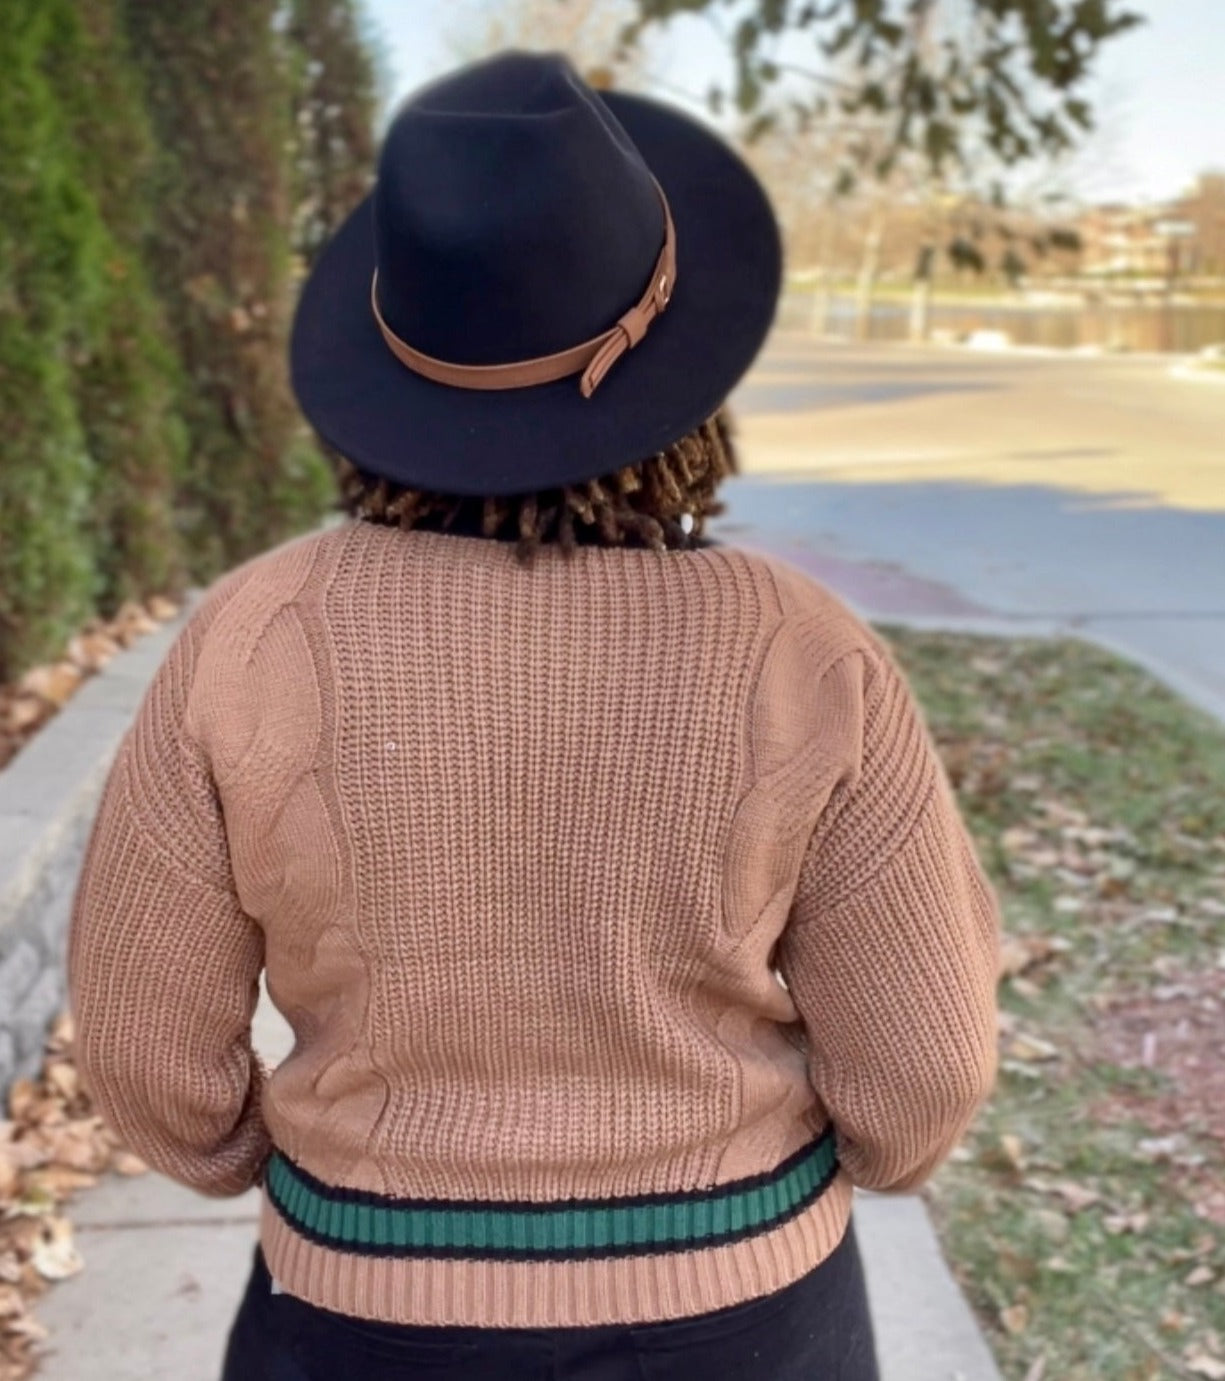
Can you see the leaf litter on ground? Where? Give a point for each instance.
(1084, 1213)
(37, 696)
(52, 1144)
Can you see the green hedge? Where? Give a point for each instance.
(155, 160)
(218, 84)
(53, 254)
(128, 379)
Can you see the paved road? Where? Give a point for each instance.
(1034, 491)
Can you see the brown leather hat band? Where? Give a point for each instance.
(593, 359)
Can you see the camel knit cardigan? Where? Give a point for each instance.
(620, 906)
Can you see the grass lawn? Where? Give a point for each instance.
(1085, 1213)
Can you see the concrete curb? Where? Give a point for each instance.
(1198, 376)
(1193, 691)
(48, 796)
(925, 1330)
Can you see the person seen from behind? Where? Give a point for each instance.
(606, 873)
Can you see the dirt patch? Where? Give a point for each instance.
(1175, 1028)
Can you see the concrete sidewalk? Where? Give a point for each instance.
(165, 1269)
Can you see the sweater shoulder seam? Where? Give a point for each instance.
(884, 864)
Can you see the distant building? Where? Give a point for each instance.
(1173, 240)
(1204, 207)
(1123, 241)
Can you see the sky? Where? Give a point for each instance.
(1158, 90)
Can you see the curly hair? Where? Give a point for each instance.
(644, 504)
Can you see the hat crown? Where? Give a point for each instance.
(513, 216)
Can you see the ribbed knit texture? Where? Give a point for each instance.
(522, 850)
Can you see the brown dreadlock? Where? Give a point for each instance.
(639, 505)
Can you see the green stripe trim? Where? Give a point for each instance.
(355, 1221)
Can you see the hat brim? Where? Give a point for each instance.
(389, 421)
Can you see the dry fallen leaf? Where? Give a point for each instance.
(25, 1327)
(1201, 1275)
(1032, 1049)
(1025, 987)
(1021, 1070)
(1116, 1223)
(131, 622)
(21, 1234)
(1015, 1318)
(1075, 1196)
(162, 608)
(1160, 1147)
(24, 712)
(26, 1154)
(125, 1163)
(1014, 1150)
(1008, 1153)
(59, 1181)
(1204, 1364)
(78, 1146)
(22, 1096)
(54, 683)
(96, 650)
(1060, 813)
(52, 1145)
(63, 1078)
(1038, 1368)
(55, 1257)
(1015, 956)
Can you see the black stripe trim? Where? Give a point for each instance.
(718, 1191)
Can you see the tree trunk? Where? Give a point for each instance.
(920, 298)
(869, 267)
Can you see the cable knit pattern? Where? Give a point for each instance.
(524, 853)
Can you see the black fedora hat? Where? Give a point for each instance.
(547, 283)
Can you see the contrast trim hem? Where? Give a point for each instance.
(368, 1224)
(551, 1294)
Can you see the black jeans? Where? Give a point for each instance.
(816, 1329)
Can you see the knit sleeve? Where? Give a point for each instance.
(891, 951)
(163, 964)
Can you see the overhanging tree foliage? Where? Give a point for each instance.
(942, 77)
(942, 95)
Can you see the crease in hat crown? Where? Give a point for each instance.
(516, 224)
